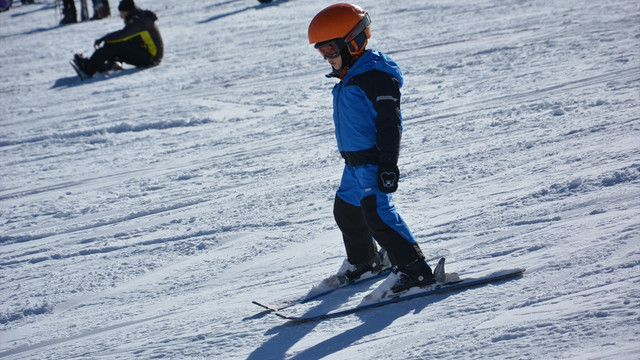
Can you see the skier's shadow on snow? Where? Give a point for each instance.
(256, 7)
(373, 321)
(31, 10)
(71, 81)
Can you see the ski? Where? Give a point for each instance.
(281, 305)
(437, 288)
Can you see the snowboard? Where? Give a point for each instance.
(80, 73)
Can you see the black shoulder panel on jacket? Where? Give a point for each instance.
(383, 90)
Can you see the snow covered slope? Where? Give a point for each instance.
(141, 212)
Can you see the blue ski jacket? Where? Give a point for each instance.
(366, 111)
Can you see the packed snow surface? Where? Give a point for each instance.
(142, 211)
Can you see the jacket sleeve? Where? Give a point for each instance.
(131, 29)
(383, 90)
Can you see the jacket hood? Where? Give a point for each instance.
(144, 15)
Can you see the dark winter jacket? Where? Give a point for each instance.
(141, 29)
(366, 111)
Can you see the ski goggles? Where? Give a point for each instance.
(330, 49)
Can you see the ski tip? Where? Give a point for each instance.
(290, 318)
(265, 306)
(259, 304)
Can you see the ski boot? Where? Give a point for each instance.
(416, 273)
(354, 272)
(349, 272)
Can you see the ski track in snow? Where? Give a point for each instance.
(142, 211)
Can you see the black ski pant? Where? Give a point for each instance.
(69, 8)
(126, 52)
(360, 225)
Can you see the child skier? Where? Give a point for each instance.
(368, 128)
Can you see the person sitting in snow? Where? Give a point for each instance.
(368, 128)
(139, 43)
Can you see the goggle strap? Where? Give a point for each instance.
(363, 24)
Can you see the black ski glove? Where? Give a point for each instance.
(388, 176)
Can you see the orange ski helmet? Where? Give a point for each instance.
(347, 24)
